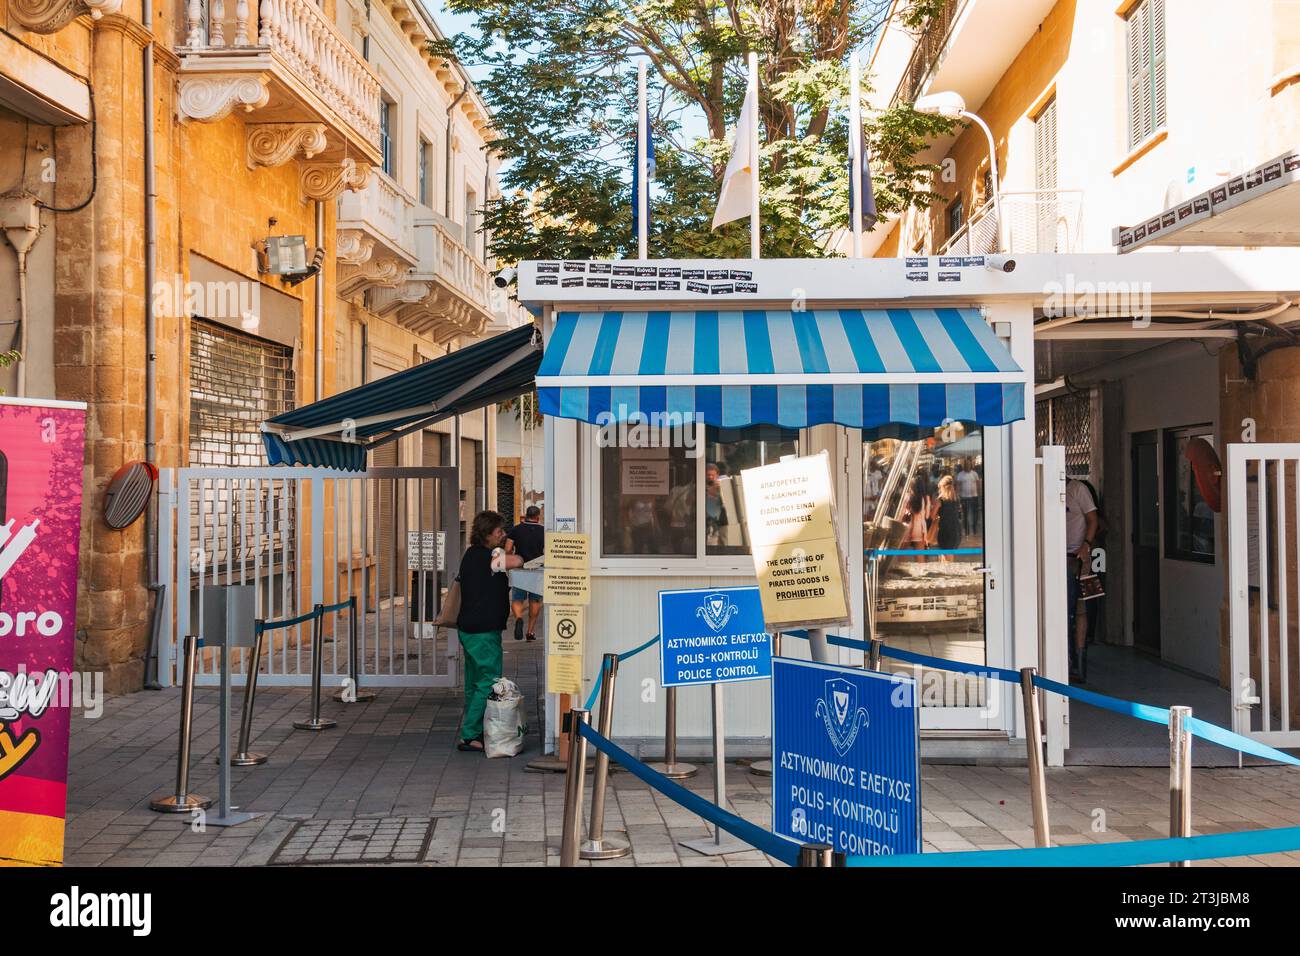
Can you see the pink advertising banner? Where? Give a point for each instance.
(41, 458)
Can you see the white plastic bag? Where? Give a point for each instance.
(504, 725)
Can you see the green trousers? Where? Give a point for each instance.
(482, 669)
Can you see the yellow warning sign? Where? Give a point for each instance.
(567, 579)
(563, 674)
(566, 628)
(789, 514)
(568, 550)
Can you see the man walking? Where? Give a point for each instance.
(968, 489)
(529, 540)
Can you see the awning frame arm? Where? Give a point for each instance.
(288, 433)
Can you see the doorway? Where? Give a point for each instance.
(1146, 541)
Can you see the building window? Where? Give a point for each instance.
(647, 497)
(654, 492)
(1145, 49)
(424, 162)
(954, 217)
(727, 452)
(237, 381)
(1189, 520)
(471, 219)
(386, 135)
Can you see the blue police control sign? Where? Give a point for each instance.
(845, 763)
(712, 635)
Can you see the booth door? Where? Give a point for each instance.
(931, 523)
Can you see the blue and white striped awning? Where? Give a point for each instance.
(853, 367)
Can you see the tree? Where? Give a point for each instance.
(563, 90)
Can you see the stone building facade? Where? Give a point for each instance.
(268, 121)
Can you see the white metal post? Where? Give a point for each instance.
(1053, 652)
(753, 153)
(642, 164)
(855, 151)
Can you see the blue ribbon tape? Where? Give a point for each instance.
(771, 844)
(915, 552)
(600, 677)
(1156, 715)
(263, 626)
(1135, 853)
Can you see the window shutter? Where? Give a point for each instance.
(1158, 63)
(1138, 48)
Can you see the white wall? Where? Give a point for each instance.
(1171, 395)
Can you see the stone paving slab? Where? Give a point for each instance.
(390, 770)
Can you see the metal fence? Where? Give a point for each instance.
(307, 536)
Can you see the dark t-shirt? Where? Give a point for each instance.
(484, 595)
(529, 539)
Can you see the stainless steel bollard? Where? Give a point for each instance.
(599, 846)
(816, 854)
(1034, 749)
(670, 767)
(357, 695)
(243, 758)
(573, 785)
(763, 768)
(1180, 775)
(182, 801)
(317, 662)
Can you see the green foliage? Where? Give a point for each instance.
(8, 359)
(562, 86)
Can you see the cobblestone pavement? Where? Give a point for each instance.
(388, 787)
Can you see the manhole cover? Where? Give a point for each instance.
(386, 840)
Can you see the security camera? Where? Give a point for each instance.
(999, 263)
(504, 277)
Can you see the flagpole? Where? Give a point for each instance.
(753, 152)
(643, 187)
(855, 151)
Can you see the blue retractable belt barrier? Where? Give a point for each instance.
(1135, 853)
(600, 677)
(331, 608)
(771, 844)
(1156, 715)
(263, 626)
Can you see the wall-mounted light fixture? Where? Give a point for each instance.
(286, 257)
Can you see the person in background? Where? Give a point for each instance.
(1081, 525)
(917, 516)
(715, 514)
(484, 605)
(529, 541)
(949, 511)
(968, 489)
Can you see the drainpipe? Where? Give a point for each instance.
(318, 287)
(151, 681)
(446, 211)
(22, 238)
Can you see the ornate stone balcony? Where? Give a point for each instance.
(50, 16)
(458, 302)
(308, 94)
(376, 241)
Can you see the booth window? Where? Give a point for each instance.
(653, 488)
(1189, 520)
(727, 452)
(647, 495)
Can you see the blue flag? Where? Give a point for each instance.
(636, 177)
(868, 195)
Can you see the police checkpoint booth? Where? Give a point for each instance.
(662, 380)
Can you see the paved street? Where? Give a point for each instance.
(388, 787)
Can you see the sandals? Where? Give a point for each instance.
(468, 745)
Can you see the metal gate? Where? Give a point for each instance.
(307, 536)
(1262, 497)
